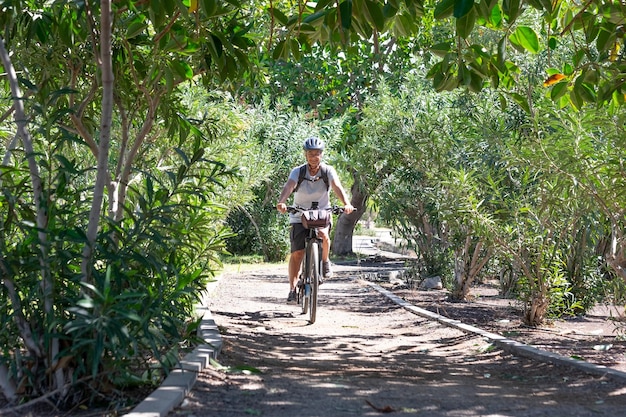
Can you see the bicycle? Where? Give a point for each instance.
(310, 271)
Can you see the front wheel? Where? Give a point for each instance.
(314, 277)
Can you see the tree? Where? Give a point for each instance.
(127, 238)
(591, 73)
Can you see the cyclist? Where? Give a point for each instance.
(306, 191)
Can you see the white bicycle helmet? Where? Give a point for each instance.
(313, 144)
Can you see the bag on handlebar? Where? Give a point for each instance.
(316, 218)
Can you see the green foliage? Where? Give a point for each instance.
(150, 271)
(279, 133)
(268, 237)
(544, 187)
(525, 198)
(330, 83)
(399, 172)
(130, 322)
(492, 41)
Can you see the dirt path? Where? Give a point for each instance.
(366, 356)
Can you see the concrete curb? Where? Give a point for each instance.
(509, 345)
(179, 382)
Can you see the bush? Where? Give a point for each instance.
(130, 321)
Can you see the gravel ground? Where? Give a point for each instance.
(365, 356)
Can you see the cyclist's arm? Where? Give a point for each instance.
(281, 205)
(341, 194)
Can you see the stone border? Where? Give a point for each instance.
(180, 381)
(512, 346)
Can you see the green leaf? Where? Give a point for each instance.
(511, 9)
(389, 10)
(585, 92)
(503, 102)
(279, 16)
(558, 90)
(462, 7)
(168, 75)
(575, 98)
(476, 82)
(175, 43)
(399, 28)
(590, 76)
(209, 7)
(41, 28)
(525, 38)
(536, 4)
(315, 18)
(376, 14)
(135, 28)
(521, 101)
(501, 51)
(591, 29)
(345, 8)
(578, 57)
(322, 4)
(182, 69)
(444, 9)
(553, 42)
(465, 24)
(465, 75)
(441, 49)
(295, 48)
(280, 50)
(495, 17)
(86, 302)
(547, 5)
(606, 37)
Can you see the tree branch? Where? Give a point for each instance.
(38, 197)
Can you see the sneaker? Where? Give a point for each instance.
(292, 296)
(327, 272)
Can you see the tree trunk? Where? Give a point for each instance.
(342, 242)
(102, 172)
(33, 341)
(468, 263)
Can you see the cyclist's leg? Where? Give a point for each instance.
(324, 235)
(295, 261)
(297, 236)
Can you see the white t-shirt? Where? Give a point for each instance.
(312, 188)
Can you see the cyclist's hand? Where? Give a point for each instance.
(281, 207)
(348, 208)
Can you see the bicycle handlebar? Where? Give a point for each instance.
(298, 209)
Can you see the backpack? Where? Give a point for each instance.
(323, 175)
